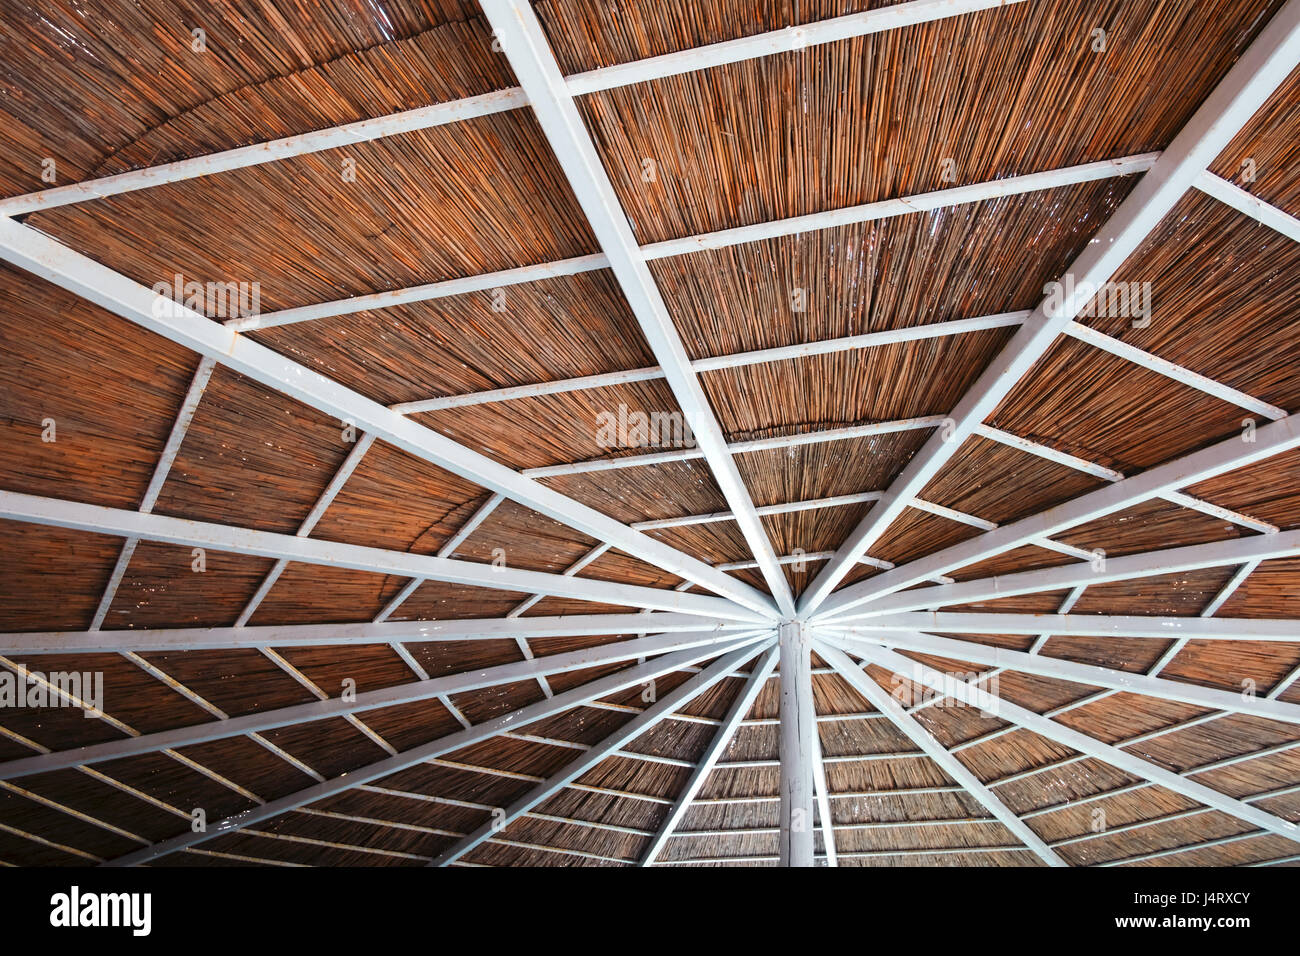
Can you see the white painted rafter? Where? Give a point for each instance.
(85, 517)
(785, 353)
(1052, 730)
(1252, 206)
(439, 114)
(144, 640)
(1229, 702)
(608, 747)
(259, 721)
(516, 25)
(741, 706)
(601, 687)
(1145, 564)
(1101, 625)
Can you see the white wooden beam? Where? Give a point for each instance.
(811, 504)
(144, 640)
(1227, 455)
(260, 721)
(1250, 81)
(735, 714)
(45, 257)
(592, 758)
(511, 720)
(190, 405)
(1046, 727)
(913, 333)
(950, 765)
(529, 52)
(815, 437)
(1230, 702)
(1101, 625)
(152, 527)
(798, 729)
(1209, 386)
(1145, 564)
(1251, 205)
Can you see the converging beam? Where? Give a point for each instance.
(258, 721)
(336, 635)
(153, 527)
(511, 720)
(521, 35)
(1225, 456)
(1265, 64)
(1284, 630)
(1230, 702)
(735, 714)
(1215, 554)
(953, 767)
(1043, 726)
(592, 758)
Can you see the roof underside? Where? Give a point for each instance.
(918, 419)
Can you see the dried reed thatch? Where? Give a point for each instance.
(1001, 93)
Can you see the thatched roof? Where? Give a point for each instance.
(606, 434)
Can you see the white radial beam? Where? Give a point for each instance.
(608, 747)
(511, 720)
(153, 527)
(1284, 630)
(735, 714)
(953, 767)
(45, 257)
(530, 55)
(1215, 554)
(1046, 727)
(1228, 455)
(335, 635)
(439, 114)
(798, 732)
(1250, 81)
(259, 721)
(1231, 702)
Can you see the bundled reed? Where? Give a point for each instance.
(123, 71)
(1001, 92)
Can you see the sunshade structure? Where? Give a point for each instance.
(659, 433)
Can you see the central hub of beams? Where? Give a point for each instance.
(798, 744)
